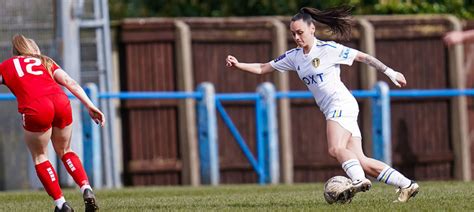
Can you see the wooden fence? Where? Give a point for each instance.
(158, 149)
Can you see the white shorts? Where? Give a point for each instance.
(348, 120)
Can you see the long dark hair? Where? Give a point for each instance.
(338, 18)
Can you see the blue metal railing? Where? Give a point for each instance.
(431, 93)
(151, 95)
(380, 118)
(92, 147)
(266, 140)
(7, 97)
(237, 96)
(381, 129)
(240, 140)
(309, 95)
(207, 134)
(252, 96)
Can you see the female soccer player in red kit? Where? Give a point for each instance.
(46, 111)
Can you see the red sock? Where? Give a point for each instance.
(49, 179)
(74, 167)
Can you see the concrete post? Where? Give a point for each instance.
(284, 110)
(368, 76)
(187, 111)
(459, 115)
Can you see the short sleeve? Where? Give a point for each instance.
(284, 62)
(55, 67)
(341, 54)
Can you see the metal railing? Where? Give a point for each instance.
(266, 161)
(266, 164)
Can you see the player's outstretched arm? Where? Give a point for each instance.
(65, 80)
(456, 37)
(397, 78)
(256, 68)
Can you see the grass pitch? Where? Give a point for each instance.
(433, 196)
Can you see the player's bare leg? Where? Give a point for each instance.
(338, 138)
(371, 166)
(61, 139)
(62, 145)
(37, 143)
(383, 172)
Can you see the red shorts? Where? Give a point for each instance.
(47, 111)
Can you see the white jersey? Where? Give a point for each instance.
(319, 70)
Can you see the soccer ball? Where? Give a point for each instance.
(338, 189)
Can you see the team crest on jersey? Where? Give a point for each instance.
(315, 62)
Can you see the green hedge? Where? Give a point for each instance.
(462, 9)
(222, 8)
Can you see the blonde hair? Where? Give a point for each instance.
(34, 46)
(23, 46)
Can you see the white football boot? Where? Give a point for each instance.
(407, 193)
(361, 185)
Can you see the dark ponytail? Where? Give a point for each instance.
(338, 19)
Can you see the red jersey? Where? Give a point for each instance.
(28, 79)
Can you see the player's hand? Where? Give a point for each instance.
(400, 80)
(231, 61)
(453, 38)
(97, 116)
(397, 78)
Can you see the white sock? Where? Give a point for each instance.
(353, 169)
(84, 187)
(393, 177)
(59, 202)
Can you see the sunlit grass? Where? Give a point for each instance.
(433, 196)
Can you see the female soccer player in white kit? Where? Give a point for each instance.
(317, 64)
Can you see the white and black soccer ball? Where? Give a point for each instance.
(338, 189)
